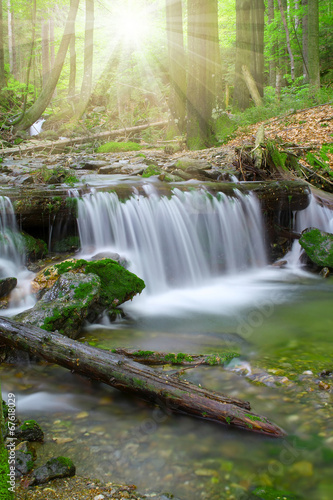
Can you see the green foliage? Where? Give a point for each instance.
(321, 160)
(224, 128)
(151, 170)
(117, 147)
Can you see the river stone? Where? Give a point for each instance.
(93, 164)
(24, 180)
(318, 246)
(192, 165)
(66, 305)
(6, 286)
(54, 468)
(25, 455)
(30, 430)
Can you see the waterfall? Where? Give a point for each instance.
(178, 241)
(315, 215)
(12, 259)
(10, 238)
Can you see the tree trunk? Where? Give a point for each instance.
(45, 96)
(2, 54)
(72, 66)
(313, 41)
(272, 61)
(202, 21)
(11, 39)
(257, 45)
(286, 29)
(305, 41)
(45, 50)
(86, 87)
(243, 53)
(251, 85)
(176, 58)
(168, 391)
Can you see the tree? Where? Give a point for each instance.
(286, 29)
(45, 96)
(45, 50)
(72, 65)
(201, 81)
(176, 58)
(2, 55)
(272, 62)
(86, 87)
(257, 45)
(313, 44)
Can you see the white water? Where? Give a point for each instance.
(36, 128)
(12, 261)
(178, 242)
(314, 215)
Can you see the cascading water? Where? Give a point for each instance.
(175, 242)
(12, 260)
(315, 215)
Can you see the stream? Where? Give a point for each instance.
(278, 320)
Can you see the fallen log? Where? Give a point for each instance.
(54, 146)
(168, 391)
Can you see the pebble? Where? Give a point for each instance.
(99, 497)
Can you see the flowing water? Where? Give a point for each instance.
(12, 258)
(201, 297)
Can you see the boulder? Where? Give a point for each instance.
(25, 455)
(54, 468)
(318, 246)
(6, 286)
(77, 290)
(29, 431)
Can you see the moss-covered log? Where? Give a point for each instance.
(169, 391)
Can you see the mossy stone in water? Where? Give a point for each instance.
(268, 493)
(54, 468)
(318, 246)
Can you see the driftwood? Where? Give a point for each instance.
(168, 391)
(62, 144)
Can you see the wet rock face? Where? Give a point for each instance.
(6, 286)
(318, 246)
(54, 468)
(66, 305)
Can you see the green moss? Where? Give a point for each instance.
(67, 462)
(72, 205)
(142, 353)
(228, 420)
(318, 245)
(253, 417)
(151, 170)
(115, 147)
(28, 424)
(67, 244)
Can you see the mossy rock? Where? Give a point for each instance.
(68, 244)
(318, 246)
(54, 468)
(116, 147)
(34, 248)
(30, 430)
(78, 290)
(268, 493)
(152, 170)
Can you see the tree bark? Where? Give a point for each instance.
(257, 45)
(45, 50)
(177, 67)
(272, 58)
(86, 87)
(243, 53)
(313, 41)
(305, 40)
(2, 53)
(202, 53)
(45, 96)
(251, 85)
(168, 391)
(286, 29)
(72, 66)
(163, 358)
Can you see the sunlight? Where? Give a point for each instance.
(134, 24)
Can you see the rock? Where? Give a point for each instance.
(192, 165)
(25, 455)
(325, 272)
(268, 493)
(29, 431)
(114, 256)
(318, 246)
(24, 180)
(54, 468)
(166, 177)
(66, 305)
(183, 175)
(77, 290)
(6, 286)
(93, 164)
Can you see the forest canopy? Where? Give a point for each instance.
(136, 61)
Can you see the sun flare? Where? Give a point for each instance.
(134, 24)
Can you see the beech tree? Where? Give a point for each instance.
(313, 44)
(176, 59)
(2, 53)
(201, 78)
